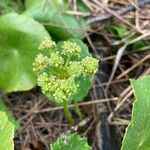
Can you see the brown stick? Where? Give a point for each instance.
(118, 12)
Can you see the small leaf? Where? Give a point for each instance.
(9, 114)
(120, 31)
(137, 136)
(20, 37)
(6, 133)
(139, 44)
(71, 142)
(53, 14)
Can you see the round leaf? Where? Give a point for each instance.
(20, 37)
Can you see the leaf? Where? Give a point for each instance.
(119, 30)
(137, 136)
(53, 14)
(20, 37)
(7, 6)
(9, 114)
(71, 142)
(6, 133)
(85, 83)
(82, 7)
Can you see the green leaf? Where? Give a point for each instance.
(85, 83)
(137, 135)
(20, 37)
(53, 14)
(71, 142)
(9, 114)
(139, 44)
(7, 6)
(120, 31)
(82, 7)
(6, 133)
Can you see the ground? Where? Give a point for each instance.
(107, 108)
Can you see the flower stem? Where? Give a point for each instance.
(67, 113)
(78, 111)
(67, 62)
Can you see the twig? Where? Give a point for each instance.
(117, 60)
(118, 12)
(70, 106)
(123, 98)
(133, 67)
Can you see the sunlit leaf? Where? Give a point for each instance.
(20, 37)
(6, 133)
(137, 135)
(9, 114)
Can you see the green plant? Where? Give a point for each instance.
(70, 142)
(65, 71)
(21, 34)
(6, 133)
(137, 136)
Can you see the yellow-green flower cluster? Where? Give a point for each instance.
(58, 72)
(41, 62)
(71, 49)
(59, 89)
(90, 65)
(56, 59)
(47, 44)
(74, 68)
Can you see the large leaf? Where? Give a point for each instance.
(9, 114)
(6, 133)
(53, 14)
(137, 135)
(71, 142)
(20, 37)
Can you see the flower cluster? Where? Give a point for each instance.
(89, 65)
(57, 88)
(47, 44)
(58, 72)
(71, 49)
(41, 62)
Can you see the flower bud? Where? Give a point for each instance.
(47, 44)
(71, 48)
(90, 65)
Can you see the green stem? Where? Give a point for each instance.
(78, 111)
(52, 71)
(67, 113)
(67, 62)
